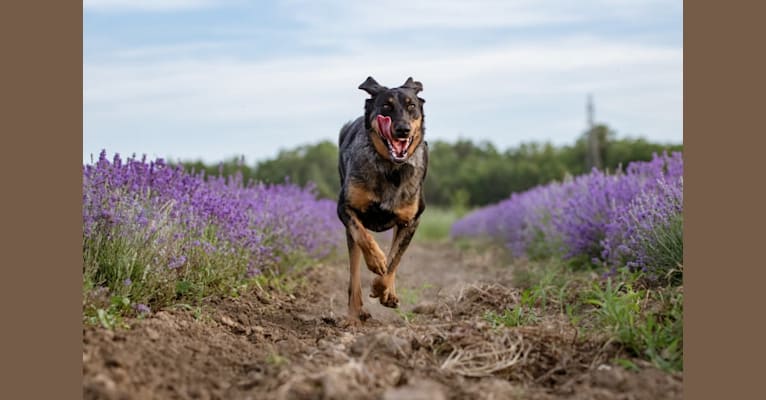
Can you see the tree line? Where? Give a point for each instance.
(460, 174)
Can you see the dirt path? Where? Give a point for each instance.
(290, 346)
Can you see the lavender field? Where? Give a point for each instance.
(632, 219)
(153, 233)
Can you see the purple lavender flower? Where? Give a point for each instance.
(614, 220)
(142, 308)
(185, 219)
(177, 262)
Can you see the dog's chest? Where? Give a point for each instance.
(394, 189)
(390, 205)
(385, 198)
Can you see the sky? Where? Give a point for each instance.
(213, 79)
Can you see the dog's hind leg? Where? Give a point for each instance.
(384, 287)
(355, 310)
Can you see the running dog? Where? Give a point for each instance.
(382, 164)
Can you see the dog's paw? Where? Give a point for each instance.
(355, 319)
(383, 290)
(376, 262)
(389, 300)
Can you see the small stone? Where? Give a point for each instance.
(228, 321)
(603, 367)
(105, 381)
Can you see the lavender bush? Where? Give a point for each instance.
(155, 233)
(632, 218)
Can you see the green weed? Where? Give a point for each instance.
(647, 322)
(519, 316)
(654, 335)
(275, 359)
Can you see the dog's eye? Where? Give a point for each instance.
(410, 106)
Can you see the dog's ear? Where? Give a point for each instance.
(372, 87)
(414, 85)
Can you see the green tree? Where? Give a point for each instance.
(460, 174)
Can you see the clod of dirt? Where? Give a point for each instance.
(228, 321)
(383, 342)
(425, 307)
(303, 317)
(152, 334)
(494, 389)
(417, 390)
(618, 383)
(333, 383)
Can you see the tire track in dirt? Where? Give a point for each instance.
(290, 346)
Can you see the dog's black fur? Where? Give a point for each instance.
(381, 188)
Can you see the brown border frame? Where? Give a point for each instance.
(723, 104)
(42, 213)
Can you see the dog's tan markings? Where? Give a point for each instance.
(417, 135)
(407, 212)
(359, 197)
(377, 142)
(373, 255)
(355, 311)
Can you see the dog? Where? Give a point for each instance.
(383, 160)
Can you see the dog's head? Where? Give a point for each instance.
(394, 118)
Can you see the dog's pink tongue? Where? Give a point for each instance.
(399, 146)
(384, 124)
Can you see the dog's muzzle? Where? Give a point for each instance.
(398, 141)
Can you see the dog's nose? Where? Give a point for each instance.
(402, 131)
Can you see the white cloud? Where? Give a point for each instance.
(381, 16)
(251, 90)
(390, 15)
(475, 92)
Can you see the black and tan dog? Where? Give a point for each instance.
(382, 164)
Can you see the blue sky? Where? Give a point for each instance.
(204, 79)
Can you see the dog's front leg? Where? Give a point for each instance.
(355, 310)
(373, 255)
(384, 287)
